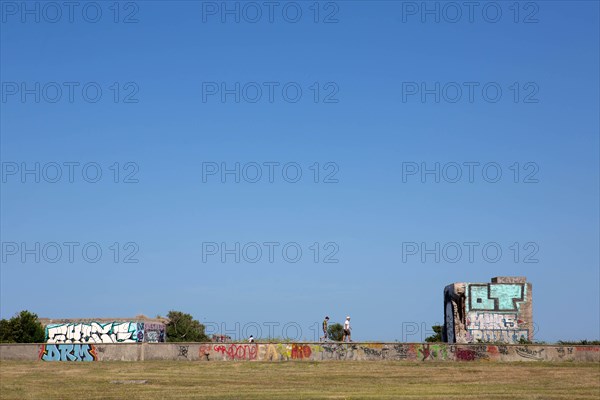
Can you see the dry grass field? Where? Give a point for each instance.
(298, 380)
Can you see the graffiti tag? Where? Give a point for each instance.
(68, 352)
(238, 352)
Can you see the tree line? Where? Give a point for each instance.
(25, 327)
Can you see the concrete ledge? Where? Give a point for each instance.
(310, 351)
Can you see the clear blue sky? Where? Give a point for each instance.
(364, 60)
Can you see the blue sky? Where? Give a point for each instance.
(162, 119)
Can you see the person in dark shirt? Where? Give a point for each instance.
(325, 322)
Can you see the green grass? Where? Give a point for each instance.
(294, 380)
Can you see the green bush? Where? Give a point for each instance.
(24, 327)
(335, 332)
(437, 336)
(184, 328)
(584, 342)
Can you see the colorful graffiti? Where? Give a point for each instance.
(204, 352)
(409, 352)
(278, 351)
(107, 332)
(496, 318)
(68, 352)
(473, 353)
(432, 352)
(495, 297)
(154, 333)
(94, 332)
(301, 351)
(497, 312)
(237, 351)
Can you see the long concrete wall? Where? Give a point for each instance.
(418, 352)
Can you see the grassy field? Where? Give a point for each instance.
(293, 380)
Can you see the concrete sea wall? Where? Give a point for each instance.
(417, 352)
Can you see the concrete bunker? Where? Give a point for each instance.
(496, 312)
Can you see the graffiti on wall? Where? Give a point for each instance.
(204, 352)
(301, 351)
(182, 351)
(154, 333)
(532, 354)
(495, 296)
(473, 353)
(413, 352)
(404, 351)
(493, 313)
(339, 351)
(237, 351)
(279, 351)
(432, 352)
(562, 351)
(94, 332)
(486, 320)
(375, 353)
(487, 312)
(68, 352)
(108, 332)
(495, 327)
(494, 336)
(449, 321)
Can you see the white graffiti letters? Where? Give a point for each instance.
(94, 332)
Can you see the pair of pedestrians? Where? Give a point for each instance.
(347, 330)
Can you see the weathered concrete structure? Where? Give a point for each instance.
(496, 312)
(417, 352)
(118, 330)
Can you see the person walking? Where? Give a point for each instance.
(325, 334)
(347, 330)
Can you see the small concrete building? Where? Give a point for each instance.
(496, 312)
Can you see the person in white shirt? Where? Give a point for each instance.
(347, 330)
(251, 339)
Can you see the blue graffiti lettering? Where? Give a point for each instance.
(68, 352)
